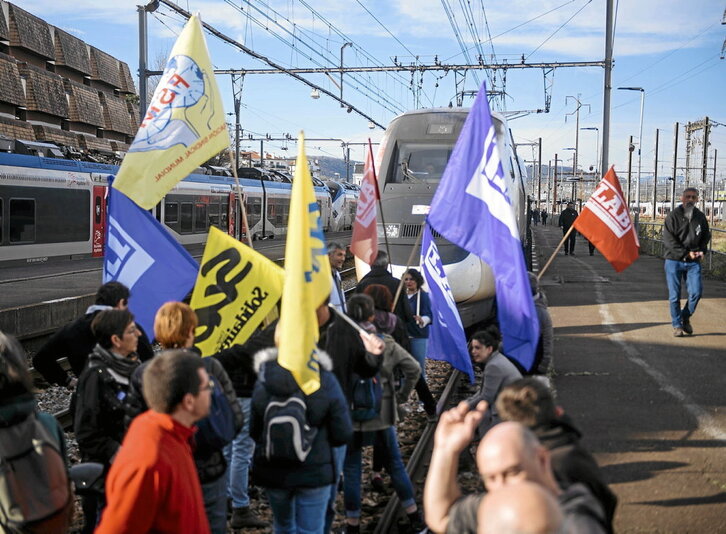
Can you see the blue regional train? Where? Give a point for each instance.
(51, 207)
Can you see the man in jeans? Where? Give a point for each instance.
(685, 236)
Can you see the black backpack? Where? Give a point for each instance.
(35, 495)
(287, 436)
(366, 397)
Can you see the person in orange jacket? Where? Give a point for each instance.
(153, 484)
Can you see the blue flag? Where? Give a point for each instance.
(472, 208)
(446, 338)
(142, 255)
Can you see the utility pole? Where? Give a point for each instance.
(150, 7)
(554, 195)
(549, 186)
(577, 140)
(655, 176)
(539, 175)
(713, 187)
(607, 85)
(630, 166)
(675, 166)
(706, 129)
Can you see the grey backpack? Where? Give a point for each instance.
(35, 494)
(287, 437)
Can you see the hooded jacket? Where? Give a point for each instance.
(393, 357)
(327, 410)
(681, 235)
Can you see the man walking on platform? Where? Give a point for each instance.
(685, 236)
(544, 217)
(336, 255)
(567, 218)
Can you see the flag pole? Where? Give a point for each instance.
(243, 210)
(408, 264)
(378, 198)
(564, 237)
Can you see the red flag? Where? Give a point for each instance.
(605, 222)
(364, 243)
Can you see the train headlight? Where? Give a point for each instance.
(393, 231)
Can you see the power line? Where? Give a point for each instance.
(558, 29)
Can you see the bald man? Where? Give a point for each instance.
(519, 508)
(509, 453)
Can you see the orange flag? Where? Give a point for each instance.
(605, 222)
(364, 242)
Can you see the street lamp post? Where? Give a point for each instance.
(597, 147)
(574, 171)
(640, 149)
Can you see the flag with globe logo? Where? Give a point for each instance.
(183, 127)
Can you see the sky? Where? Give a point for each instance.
(670, 48)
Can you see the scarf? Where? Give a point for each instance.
(119, 367)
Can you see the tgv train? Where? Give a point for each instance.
(345, 204)
(54, 207)
(411, 159)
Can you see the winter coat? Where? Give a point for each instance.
(545, 344)
(424, 310)
(567, 218)
(345, 348)
(17, 409)
(75, 341)
(380, 275)
(100, 410)
(327, 410)
(393, 357)
(210, 465)
(153, 488)
(572, 463)
(681, 236)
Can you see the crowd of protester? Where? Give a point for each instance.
(148, 420)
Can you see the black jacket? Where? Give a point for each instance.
(100, 412)
(327, 410)
(572, 463)
(380, 275)
(210, 466)
(75, 341)
(567, 217)
(238, 359)
(681, 236)
(348, 354)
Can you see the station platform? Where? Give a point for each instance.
(652, 407)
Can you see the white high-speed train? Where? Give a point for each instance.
(411, 159)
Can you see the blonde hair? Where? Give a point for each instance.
(172, 324)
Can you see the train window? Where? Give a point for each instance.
(419, 162)
(22, 220)
(171, 212)
(200, 217)
(214, 215)
(187, 208)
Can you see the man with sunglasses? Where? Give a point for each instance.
(685, 237)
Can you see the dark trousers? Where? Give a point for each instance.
(570, 241)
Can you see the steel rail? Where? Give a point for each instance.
(386, 523)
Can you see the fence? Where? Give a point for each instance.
(651, 242)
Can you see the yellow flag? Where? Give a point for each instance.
(307, 280)
(183, 127)
(235, 289)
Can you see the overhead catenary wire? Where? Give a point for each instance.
(271, 63)
(389, 105)
(588, 2)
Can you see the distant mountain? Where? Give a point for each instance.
(330, 166)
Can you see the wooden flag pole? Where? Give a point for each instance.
(564, 237)
(243, 210)
(408, 264)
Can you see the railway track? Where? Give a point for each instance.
(418, 462)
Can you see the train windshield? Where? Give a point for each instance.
(419, 162)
